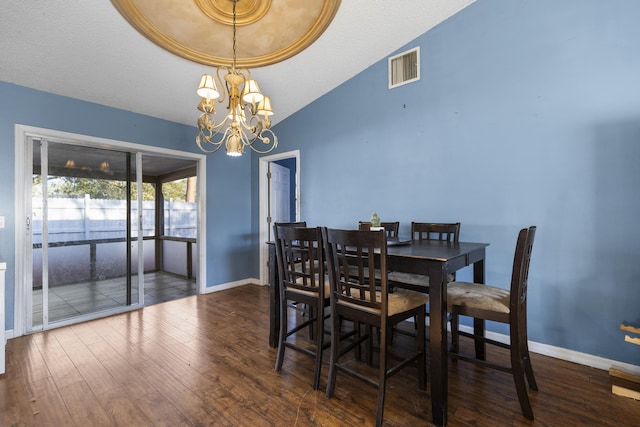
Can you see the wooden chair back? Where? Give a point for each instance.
(390, 228)
(520, 276)
(435, 231)
(291, 224)
(300, 259)
(357, 265)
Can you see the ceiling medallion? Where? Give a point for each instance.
(198, 30)
(247, 11)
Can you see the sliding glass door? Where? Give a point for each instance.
(84, 227)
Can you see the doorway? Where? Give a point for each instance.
(94, 227)
(279, 198)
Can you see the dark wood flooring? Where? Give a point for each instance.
(205, 360)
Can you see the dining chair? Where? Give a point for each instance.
(500, 305)
(391, 228)
(291, 224)
(300, 257)
(435, 231)
(295, 304)
(357, 267)
(426, 231)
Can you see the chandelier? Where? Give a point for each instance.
(242, 126)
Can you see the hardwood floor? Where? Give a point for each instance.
(205, 360)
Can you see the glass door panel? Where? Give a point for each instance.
(83, 232)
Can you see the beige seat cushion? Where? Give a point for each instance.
(399, 301)
(327, 289)
(414, 279)
(312, 293)
(478, 296)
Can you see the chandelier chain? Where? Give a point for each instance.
(234, 34)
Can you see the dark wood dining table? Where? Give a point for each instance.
(432, 258)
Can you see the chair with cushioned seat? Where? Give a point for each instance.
(500, 305)
(300, 257)
(291, 224)
(357, 269)
(449, 232)
(295, 304)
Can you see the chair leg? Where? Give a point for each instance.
(358, 351)
(382, 376)
(311, 311)
(517, 367)
(319, 324)
(335, 353)
(283, 334)
(455, 338)
(421, 346)
(369, 344)
(528, 369)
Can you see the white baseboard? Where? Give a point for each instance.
(565, 354)
(231, 285)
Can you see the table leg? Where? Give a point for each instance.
(479, 324)
(438, 344)
(274, 297)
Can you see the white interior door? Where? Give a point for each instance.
(266, 230)
(279, 194)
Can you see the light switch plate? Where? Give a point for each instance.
(1, 221)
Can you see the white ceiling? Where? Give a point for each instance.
(86, 50)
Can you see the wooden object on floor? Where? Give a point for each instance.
(500, 305)
(357, 268)
(624, 383)
(202, 360)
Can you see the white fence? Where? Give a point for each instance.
(74, 219)
(87, 239)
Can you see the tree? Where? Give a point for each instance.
(180, 190)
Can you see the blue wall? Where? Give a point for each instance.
(527, 112)
(230, 249)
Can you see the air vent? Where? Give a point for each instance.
(404, 68)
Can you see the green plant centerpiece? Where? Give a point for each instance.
(375, 220)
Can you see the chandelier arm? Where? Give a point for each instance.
(203, 148)
(248, 125)
(223, 82)
(207, 122)
(215, 135)
(273, 141)
(221, 142)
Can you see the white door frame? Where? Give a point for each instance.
(22, 188)
(264, 206)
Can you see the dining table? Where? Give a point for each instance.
(435, 259)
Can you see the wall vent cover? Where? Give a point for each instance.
(404, 68)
